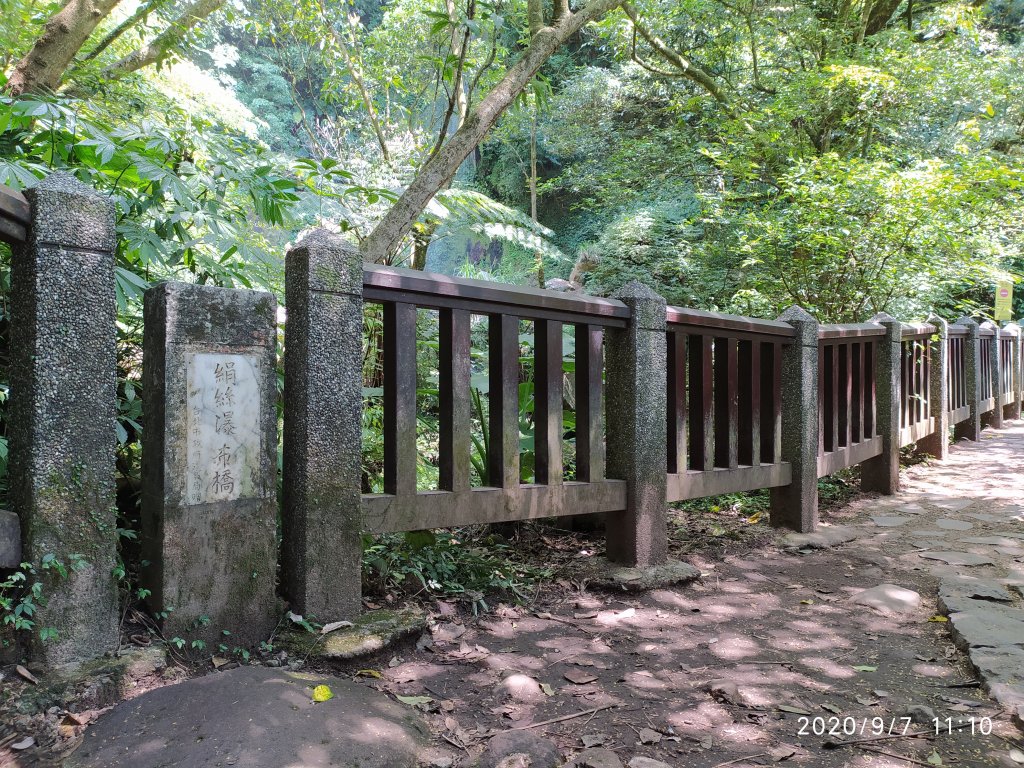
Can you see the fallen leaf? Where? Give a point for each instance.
(832, 708)
(218, 662)
(881, 694)
(934, 758)
(939, 619)
(806, 602)
(368, 673)
(26, 674)
(335, 625)
(1017, 756)
(25, 743)
(322, 693)
(548, 690)
(865, 668)
(414, 701)
(73, 718)
(593, 739)
(624, 614)
(866, 701)
(579, 677)
(585, 615)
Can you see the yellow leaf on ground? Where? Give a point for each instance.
(939, 619)
(322, 693)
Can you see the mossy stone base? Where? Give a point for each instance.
(619, 578)
(372, 632)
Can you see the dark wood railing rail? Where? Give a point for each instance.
(724, 403)
(958, 404)
(14, 216)
(916, 421)
(846, 395)
(987, 394)
(504, 497)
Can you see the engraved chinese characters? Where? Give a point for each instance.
(223, 453)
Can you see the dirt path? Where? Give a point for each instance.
(744, 666)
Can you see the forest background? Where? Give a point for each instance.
(850, 156)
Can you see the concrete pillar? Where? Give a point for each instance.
(636, 403)
(971, 427)
(63, 411)
(795, 505)
(937, 443)
(882, 473)
(209, 461)
(321, 548)
(1012, 409)
(994, 418)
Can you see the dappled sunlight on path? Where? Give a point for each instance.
(737, 666)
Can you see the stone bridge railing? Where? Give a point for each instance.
(670, 404)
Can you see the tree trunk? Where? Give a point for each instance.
(437, 171)
(63, 37)
(160, 46)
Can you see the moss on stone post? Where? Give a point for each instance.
(795, 506)
(323, 397)
(882, 473)
(637, 361)
(63, 412)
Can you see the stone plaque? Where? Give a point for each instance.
(224, 432)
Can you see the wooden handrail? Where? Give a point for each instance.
(676, 316)
(14, 216)
(434, 291)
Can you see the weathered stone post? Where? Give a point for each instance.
(971, 427)
(795, 506)
(1012, 409)
(209, 461)
(937, 443)
(323, 401)
(994, 418)
(882, 473)
(63, 411)
(637, 360)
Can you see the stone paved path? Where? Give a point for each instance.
(746, 667)
(963, 522)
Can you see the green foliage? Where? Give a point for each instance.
(448, 563)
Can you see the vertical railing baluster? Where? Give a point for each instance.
(701, 417)
(589, 384)
(547, 382)
(856, 392)
(676, 428)
(823, 446)
(749, 405)
(845, 393)
(454, 399)
(776, 411)
(871, 406)
(725, 403)
(400, 398)
(503, 401)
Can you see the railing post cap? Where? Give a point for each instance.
(804, 322)
(797, 314)
(941, 326)
(330, 262)
(968, 321)
(63, 183)
(884, 318)
(647, 305)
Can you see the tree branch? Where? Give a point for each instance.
(439, 169)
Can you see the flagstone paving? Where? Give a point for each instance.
(789, 653)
